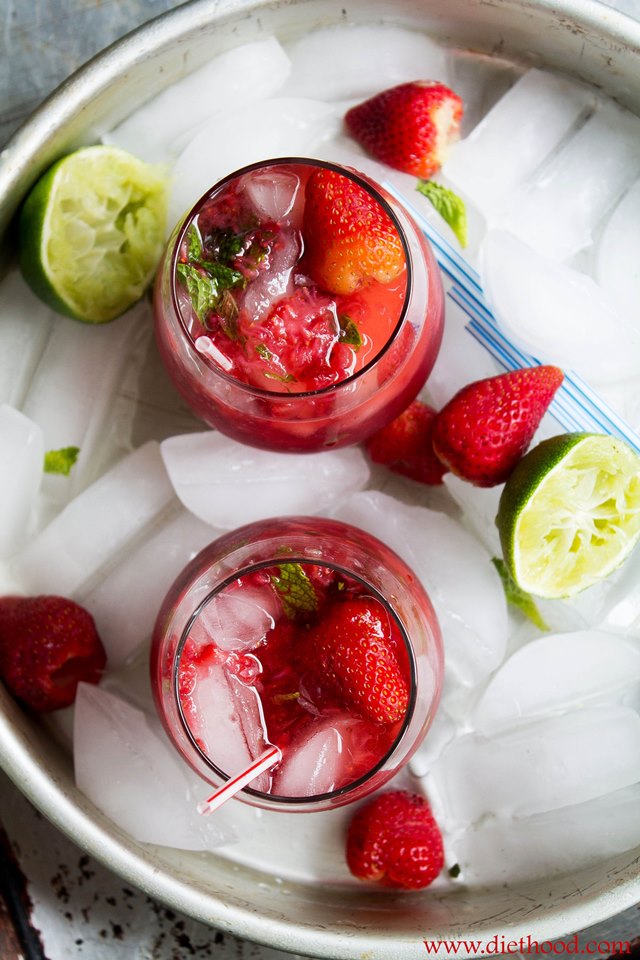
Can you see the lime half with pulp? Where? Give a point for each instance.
(91, 232)
(570, 513)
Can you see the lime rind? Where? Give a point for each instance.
(570, 513)
(91, 232)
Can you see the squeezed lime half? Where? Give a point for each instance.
(570, 513)
(91, 232)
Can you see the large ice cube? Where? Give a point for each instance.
(345, 62)
(517, 134)
(441, 732)
(558, 213)
(252, 71)
(255, 131)
(555, 313)
(26, 324)
(226, 483)
(556, 672)
(125, 616)
(504, 851)
(480, 507)
(539, 766)
(456, 572)
(479, 97)
(617, 266)
(72, 391)
(96, 526)
(21, 463)
(320, 761)
(126, 767)
(620, 612)
(238, 619)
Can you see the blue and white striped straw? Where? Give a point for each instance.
(576, 406)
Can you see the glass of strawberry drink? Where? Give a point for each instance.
(303, 633)
(298, 306)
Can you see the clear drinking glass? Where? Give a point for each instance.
(249, 395)
(230, 669)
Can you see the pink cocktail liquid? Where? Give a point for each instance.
(270, 349)
(243, 659)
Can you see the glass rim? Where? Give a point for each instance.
(278, 799)
(306, 161)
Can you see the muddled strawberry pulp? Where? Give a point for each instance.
(291, 277)
(303, 657)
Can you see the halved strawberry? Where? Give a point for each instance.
(410, 127)
(405, 445)
(47, 646)
(349, 238)
(352, 654)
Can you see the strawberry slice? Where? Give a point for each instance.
(405, 445)
(485, 429)
(349, 238)
(48, 645)
(395, 840)
(410, 127)
(352, 654)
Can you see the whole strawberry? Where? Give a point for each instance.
(47, 646)
(349, 239)
(410, 127)
(482, 433)
(395, 840)
(352, 654)
(405, 445)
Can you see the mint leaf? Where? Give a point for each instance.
(449, 205)
(194, 243)
(263, 351)
(289, 378)
(60, 461)
(207, 290)
(349, 332)
(454, 871)
(517, 597)
(295, 590)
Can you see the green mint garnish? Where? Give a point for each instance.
(454, 871)
(61, 461)
(288, 378)
(349, 332)
(207, 290)
(194, 243)
(228, 245)
(295, 590)
(263, 351)
(449, 205)
(517, 597)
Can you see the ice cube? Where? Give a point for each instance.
(244, 135)
(441, 732)
(253, 71)
(345, 62)
(617, 266)
(272, 193)
(561, 841)
(461, 360)
(72, 391)
(90, 532)
(454, 569)
(26, 324)
(319, 761)
(21, 466)
(620, 612)
(480, 507)
(479, 97)
(226, 483)
(225, 715)
(539, 766)
(127, 768)
(556, 672)
(277, 282)
(238, 619)
(555, 313)
(532, 118)
(125, 617)
(580, 185)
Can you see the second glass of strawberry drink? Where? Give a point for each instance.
(304, 634)
(298, 306)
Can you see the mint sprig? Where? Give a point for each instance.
(295, 590)
(207, 290)
(349, 332)
(518, 597)
(61, 461)
(449, 205)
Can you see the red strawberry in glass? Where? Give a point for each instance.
(311, 636)
(410, 127)
(281, 299)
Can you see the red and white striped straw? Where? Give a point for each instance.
(262, 763)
